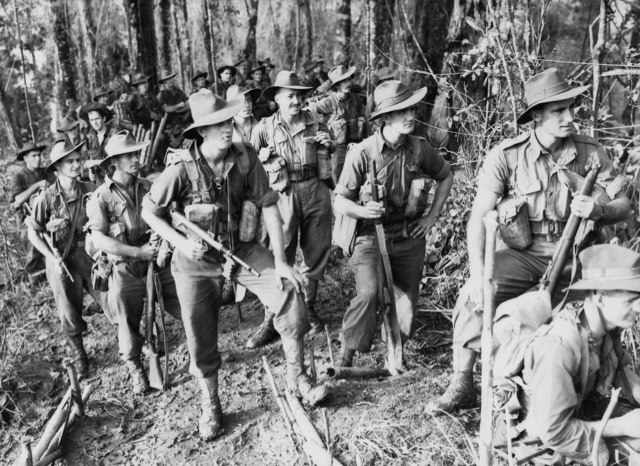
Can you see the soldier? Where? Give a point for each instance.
(70, 128)
(120, 233)
(569, 366)
(216, 175)
(539, 169)
(25, 183)
(59, 213)
(311, 69)
(100, 119)
(382, 75)
(143, 105)
(403, 163)
(244, 122)
(226, 74)
(261, 107)
(346, 115)
(269, 67)
(199, 81)
(290, 144)
(174, 102)
(102, 95)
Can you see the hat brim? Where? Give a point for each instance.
(262, 68)
(525, 117)
(199, 75)
(253, 93)
(53, 162)
(97, 96)
(135, 83)
(68, 128)
(270, 92)
(415, 99)
(607, 284)
(125, 150)
(166, 78)
(101, 108)
(234, 70)
(20, 155)
(225, 113)
(350, 72)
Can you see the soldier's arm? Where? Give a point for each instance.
(36, 223)
(25, 195)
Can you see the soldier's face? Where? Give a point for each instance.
(217, 137)
(33, 160)
(225, 76)
(103, 99)
(620, 309)
(69, 166)
(96, 120)
(344, 87)
(200, 82)
(402, 121)
(289, 100)
(247, 110)
(257, 75)
(128, 163)
(143, 87)
(555, 118)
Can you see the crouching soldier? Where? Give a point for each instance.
(56, 230)
(119, 232)
(211, 183)
(568, 367)
(400, 159)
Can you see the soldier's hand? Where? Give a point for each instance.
(264, 154)
(372, 210)
(192, 249)
(323, 138)
(285, 271)
(148, 252)
(586, 207)
(420, 227)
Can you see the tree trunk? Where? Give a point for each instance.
(187, 40)
(88, 32)
(306, 11)
(343, 31)
(8, 125)
(165, 29)
(208, 39)
(181, 71)
(142, 23)
(250, 44)
(381, 24)
(66, 58)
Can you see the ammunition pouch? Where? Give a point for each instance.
(100, 271)
(309, 156)
(338, 129)
(203, 215)
(345, 230)
(276, 168)
(59, 228)
(324, 163)
(513, 223)
(365, 193)
(165, 252)
(249, 222)
(418, 199)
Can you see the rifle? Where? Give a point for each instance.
(156, 379)
(385, 290)
(49, 240)
(160, 384)
(156, 141)
(192, 230)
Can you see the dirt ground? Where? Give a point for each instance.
(371, 422)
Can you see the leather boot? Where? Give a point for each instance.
(139, 381)
(265, 333)
(461, 392)
(346, 360)
(210, 422)
(298, 381)
(311, 294)
(80, 356)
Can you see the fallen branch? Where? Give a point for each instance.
(356, 372)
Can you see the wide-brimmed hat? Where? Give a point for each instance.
(100, 92)
(139, 78)
(208, 109)
(60, 149)
(309, 65)
(609, 267)
(340, 73)
(545, 87)
(385, 73)
(234, 70)
(166, 77)
(393, 95)
(266, 62)
(67, 124)
(256, 68)
(29, 147)
(122, 143)
(95, 107)
(199, 74)
(235, 92)
(285, 80)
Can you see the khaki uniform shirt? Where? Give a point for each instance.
(349, 109)
(173, 96)
(95, 148)
(520, 167)
(241, 136)
(113, 212)
(22, 180)
(144, 108)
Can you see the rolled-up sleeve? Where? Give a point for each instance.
(166, 189)
(494, 175)
(259, 137)
(259, 183)
(433, 163)
(97, 214)
(40, 213)
(353, 174)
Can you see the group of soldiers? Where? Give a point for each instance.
(264, 171)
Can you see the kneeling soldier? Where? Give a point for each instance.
(400, 158)
(56, 230)
(118, 230)
(211, 183)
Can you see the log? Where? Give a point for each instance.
(300, 415)
(76, 394)
(356, 372)
(50, 458)
(326, 332)
(50, 430)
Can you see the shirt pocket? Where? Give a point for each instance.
(117, 226)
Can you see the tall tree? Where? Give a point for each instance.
(208, 38)
(343, 31)
(187, 40)
(180, 55)
(381, 24)
(8, 124)
(88, 32)
(165, 29)
(143, 37)
(66, 58)
(250, 44)
(306, 11)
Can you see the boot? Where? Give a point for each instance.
(311, 294)
(299, 382)
(210, 422)
(81, 358)
(346, 359)
(461, 392)
(265, 333)
(139, 381)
